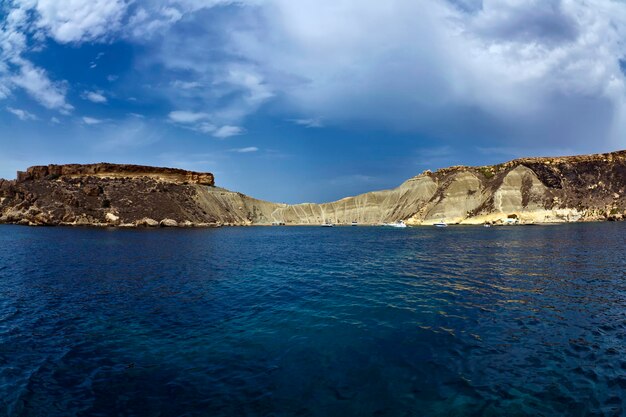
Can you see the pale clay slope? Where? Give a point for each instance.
(420, 200)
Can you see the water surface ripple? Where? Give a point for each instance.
(288, 321)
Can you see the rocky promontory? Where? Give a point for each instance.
(104, 170)
(527, 190)
(111, 194)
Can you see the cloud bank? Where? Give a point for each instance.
(499, 73)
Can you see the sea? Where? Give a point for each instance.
(314, 321)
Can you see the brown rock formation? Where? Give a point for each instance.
(105, 170)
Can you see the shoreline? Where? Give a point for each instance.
(304, 225)
(525, 191)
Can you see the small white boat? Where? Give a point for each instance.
(354, 223)
(327, 224)
(440, 224)
(399, 224)
(486, 225)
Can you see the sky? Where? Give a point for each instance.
(309, 100)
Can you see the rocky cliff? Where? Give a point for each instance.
(104, 170)
(110, 194)
(528, 190)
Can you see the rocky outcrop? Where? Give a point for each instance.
(105, 195)
(528, 190)
(104, 170)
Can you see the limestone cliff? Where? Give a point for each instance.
(528, 190)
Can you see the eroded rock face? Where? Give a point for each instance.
(580, 188)
(370, 208)
(458, 195)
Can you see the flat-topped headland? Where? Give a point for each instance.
(525, 190)
(106, 170)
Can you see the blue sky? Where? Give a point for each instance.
(308, 100)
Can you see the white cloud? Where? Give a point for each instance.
(36, 83)
(145, 22)
(228, 131)
(91, 120)
(203, 123)
(246, 150)
(68, 21)
(54, 120)
(186, 85)
(18, 72)
(94, 96)
(505, 71)
(205, 127)
(79, 20)
(308, 123)
(183, 116)
(21, 114)
(155, 16)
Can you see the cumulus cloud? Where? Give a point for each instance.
(21, 114)
(503, 71)
(36, 83)
(228, 131)
(91, 120)
(94, 96)
(78, 20)
(498, 71)
(145, 22)
(72, 21)
(154, 16)
(203, 122)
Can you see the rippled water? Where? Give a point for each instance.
(285, 321)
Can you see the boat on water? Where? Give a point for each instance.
(486, 225)
(399, 224)
(354, 223)
(327, 224)
(440, 224)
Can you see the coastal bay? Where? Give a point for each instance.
(313, 321)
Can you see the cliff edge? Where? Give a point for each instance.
(105, 170)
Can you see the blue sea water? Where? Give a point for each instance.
(311, 321)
